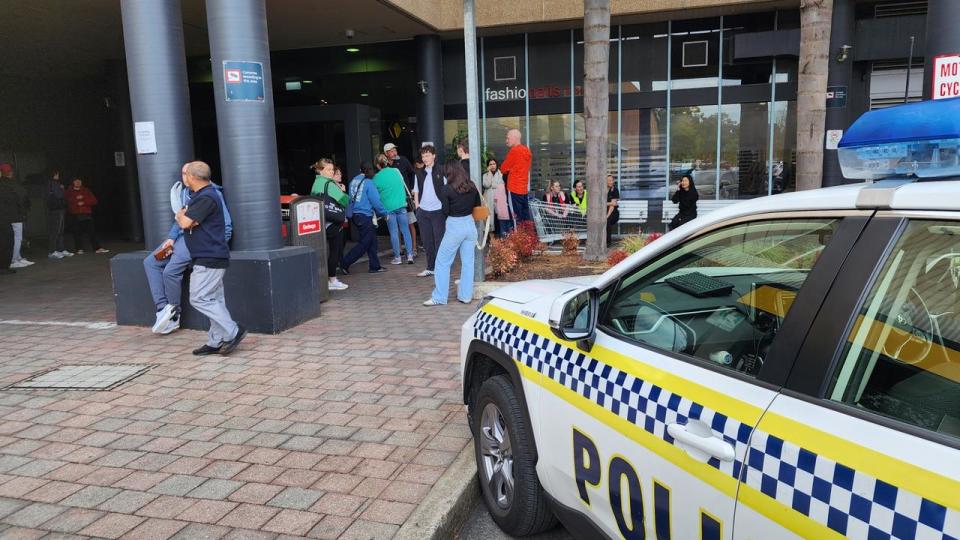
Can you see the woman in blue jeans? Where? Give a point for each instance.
(458, 199)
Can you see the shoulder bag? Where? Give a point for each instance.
(333, 211)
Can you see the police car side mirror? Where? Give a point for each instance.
(573, 317)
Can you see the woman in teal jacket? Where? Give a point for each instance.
(393, 195)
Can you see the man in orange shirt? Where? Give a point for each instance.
(516, 175)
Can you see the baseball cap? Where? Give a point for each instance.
(389, 146)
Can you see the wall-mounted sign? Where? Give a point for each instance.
(836, 97)
(516, 93)
(145, 135)
(946, 76)
(243, 81)
(833, 138)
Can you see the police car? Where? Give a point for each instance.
(784, 367)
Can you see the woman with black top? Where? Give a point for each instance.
(458, 198)
(686, 197)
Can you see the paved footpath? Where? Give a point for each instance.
(334, 429)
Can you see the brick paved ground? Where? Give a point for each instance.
(335, 429)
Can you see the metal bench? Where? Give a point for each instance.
(704, 207)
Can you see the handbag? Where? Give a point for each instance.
(411, 202)
(333, 211)
(480, 213)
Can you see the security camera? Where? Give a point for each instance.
(349, 33)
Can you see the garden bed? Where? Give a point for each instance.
(549, 266)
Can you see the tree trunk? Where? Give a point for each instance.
(596, 105)
(815, 19)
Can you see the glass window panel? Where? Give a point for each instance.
(902, 358)
(503, 69)
(644, 58)
(643, 154)
(454, 72)
(693, 147)
(744, 146)
(549, 142)
(452, 130)
(695, 53)
(549, 57)
(761, 266)
(752, 71)
(784, 146)
(497, 135)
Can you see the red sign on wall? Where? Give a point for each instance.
(946, 76)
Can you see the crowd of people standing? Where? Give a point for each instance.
(68, 208)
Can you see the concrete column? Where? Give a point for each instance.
(246, 126)
(842, 32)
(430, 102)
(942, 37)
(157, 77)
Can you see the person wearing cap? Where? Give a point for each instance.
(409, 174)
(23, 206)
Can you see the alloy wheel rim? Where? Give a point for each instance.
(496, 456)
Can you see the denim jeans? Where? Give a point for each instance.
(398, 220)
(166, 277)
(367, 243)
(17, 240)
(460, 235)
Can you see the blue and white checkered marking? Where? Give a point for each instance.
(847, 501)
(640, 402)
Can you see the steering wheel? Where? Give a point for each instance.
(907, 342)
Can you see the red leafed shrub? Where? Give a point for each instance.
(524, 240)
(502, 257)
(616, 256)
(570, 243)
(653, 236)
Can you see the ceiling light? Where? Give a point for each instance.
(292, 85)
(364, 94)
(353, 50)
(307, 82)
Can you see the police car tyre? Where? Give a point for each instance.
(505, 461)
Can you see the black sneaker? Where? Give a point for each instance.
(377, 270)
(206, 350)
(343, 270)
(229, 346)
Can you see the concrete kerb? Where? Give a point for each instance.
(445, 509)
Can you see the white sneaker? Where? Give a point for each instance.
(102, 250)
(54, 255)
(337, 285)
(174, 324)
(80, 252)
(396, 260)
(409, 259)
(20, 264)
(27, 263)
(65, 253)
(163, 317)
(425, 273)
(432, 302)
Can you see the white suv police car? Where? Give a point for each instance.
(785, 367)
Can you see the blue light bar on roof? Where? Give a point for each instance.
(918, 139)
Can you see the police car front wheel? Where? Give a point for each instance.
(504, 451)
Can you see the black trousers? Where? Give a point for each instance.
(334, 248)
(83, 226)
(6, 245)
(432, 226)
(612, 221)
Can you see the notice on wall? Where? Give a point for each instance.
(833, 138)
(836, 97)
(308, 217)
(243, 81)
(119, 159)
(946, 76)
(145, 134)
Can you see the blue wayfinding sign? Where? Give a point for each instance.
(243, 81)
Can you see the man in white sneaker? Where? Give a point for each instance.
(165, 273)
(430, 216)
(23, 206)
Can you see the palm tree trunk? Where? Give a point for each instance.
(596, 104)
(815, 19)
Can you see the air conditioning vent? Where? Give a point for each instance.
(900, 9)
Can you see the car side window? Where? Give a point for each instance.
(723, 296)
(902, 357)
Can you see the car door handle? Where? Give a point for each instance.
(697, 440)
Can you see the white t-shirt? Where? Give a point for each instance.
(429, 200)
